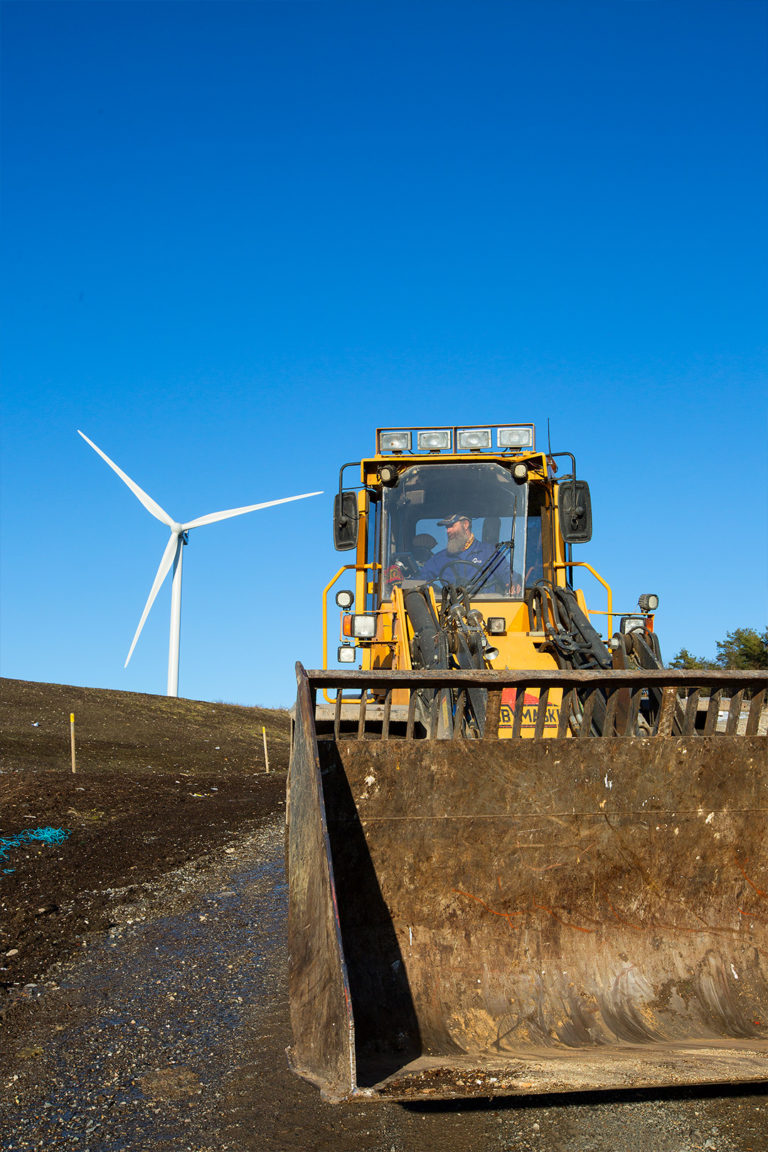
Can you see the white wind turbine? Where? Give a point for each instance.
(172, 556)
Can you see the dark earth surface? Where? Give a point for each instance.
(143, 957)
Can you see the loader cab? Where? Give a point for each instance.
(395, 521)
(504, 550)
(413, 514)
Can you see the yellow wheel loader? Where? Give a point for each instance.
(523, 856)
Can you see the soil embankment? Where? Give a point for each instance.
(159, 782)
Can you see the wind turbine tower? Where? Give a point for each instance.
(172, 557)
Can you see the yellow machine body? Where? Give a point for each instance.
(523, 856)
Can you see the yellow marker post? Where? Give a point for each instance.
(266, 754)
(72, 739)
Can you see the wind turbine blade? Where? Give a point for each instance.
(150, 504)
(169, 555)
(212, 517)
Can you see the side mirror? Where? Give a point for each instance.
(344, 521)
(575, 512)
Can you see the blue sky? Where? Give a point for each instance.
(238, 237)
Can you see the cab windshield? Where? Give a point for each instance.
(487, 544)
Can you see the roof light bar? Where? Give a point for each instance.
(505, 437)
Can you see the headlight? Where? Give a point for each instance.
(345, 599)
(648, 602)
(632, 624)
(434, 440)
(473, 439)
(496, 625)
(393, 442)
(346, 654)
(516, 437)
(361, 627)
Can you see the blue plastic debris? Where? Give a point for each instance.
(44, 835)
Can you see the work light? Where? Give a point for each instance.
(394, 442)
(473, 439)
(519, 436)
(648, 602)
(388, 475)
(434, 440)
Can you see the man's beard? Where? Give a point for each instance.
(456, 544)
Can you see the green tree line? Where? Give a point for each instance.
(742, 650)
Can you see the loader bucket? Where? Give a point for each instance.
(481, 917)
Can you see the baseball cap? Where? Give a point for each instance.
(452, 519)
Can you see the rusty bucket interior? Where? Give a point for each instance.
(495, 916)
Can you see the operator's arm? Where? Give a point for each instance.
(432, 568)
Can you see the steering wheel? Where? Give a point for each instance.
(451, 562)
(493, 581)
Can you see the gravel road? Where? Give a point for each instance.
(169, 1032)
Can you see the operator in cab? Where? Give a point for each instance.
(465, 560)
